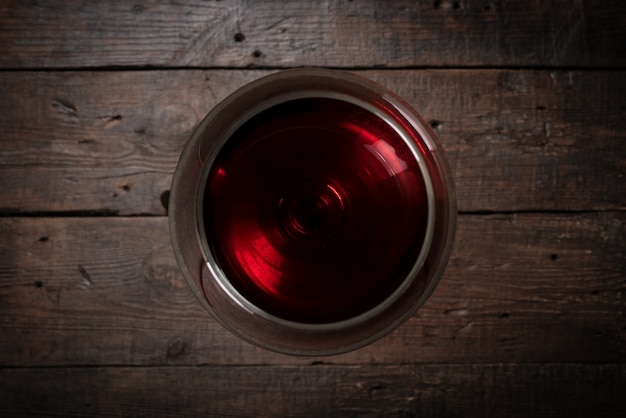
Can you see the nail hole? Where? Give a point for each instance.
(540, 107)
(435, 124)
(554, 257)
(257, 54)
(374, 390)
(504, 315)
(38, 284)
(126, 187)
(456, 5)
(239, 37)
(437, 4)
(44, 239)
(176, 349)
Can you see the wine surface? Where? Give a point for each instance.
(316, 210)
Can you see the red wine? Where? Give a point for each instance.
(315, 210)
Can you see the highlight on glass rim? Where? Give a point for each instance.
(312, 212)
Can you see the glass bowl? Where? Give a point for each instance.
(312, 212)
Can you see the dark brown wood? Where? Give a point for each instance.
(48, 34)
(319, 391)
(108, 142)
(106, 291)
(97, 100)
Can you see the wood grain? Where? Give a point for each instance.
(108, 142)
(97, 100)
(318, 391)
(338, 33)
(107, 291)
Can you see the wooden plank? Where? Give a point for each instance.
(46, 34)
(107, 291)
(108, 142)
(522, 390)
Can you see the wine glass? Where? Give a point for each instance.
(312, 212)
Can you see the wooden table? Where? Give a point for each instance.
(528, 99)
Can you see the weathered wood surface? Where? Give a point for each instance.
(528, 100)
(319, 391)
(338, 33)
(108, 142)
(519, 288)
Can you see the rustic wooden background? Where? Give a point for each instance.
(97, 100)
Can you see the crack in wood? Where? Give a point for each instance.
(83, 272)
(65, 107)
